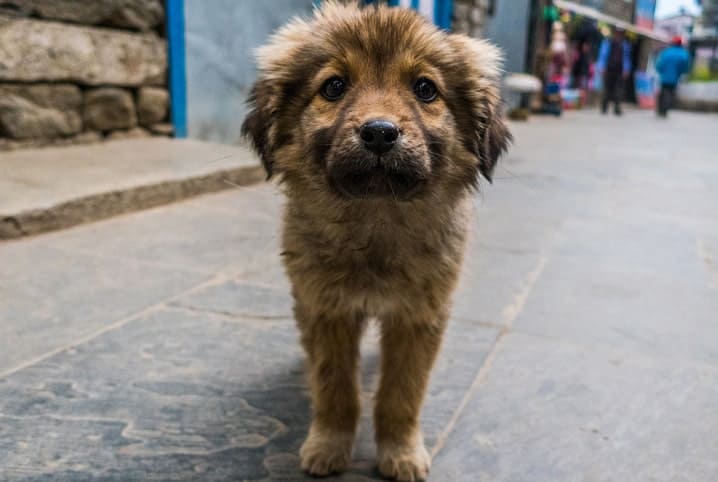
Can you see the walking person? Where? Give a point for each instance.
(581, 69)
(614, 63)
(672, 63)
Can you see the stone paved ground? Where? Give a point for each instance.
(583, 346)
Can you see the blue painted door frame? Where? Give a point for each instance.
(177, 70)
(442, 10)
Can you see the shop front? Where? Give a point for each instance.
(569, 63)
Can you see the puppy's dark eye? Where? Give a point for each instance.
(333, 88)
(425, 90)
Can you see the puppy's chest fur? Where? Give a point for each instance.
(375, 258)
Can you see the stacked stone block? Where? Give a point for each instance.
(81, 70)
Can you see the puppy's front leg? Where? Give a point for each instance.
(332, 346)
(409, 349)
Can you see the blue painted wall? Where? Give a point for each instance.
(220, 36)
(210, 89)
(509, 29)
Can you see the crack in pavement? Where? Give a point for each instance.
(228, 315)
(154, 308)
(709, 261)
(509, 314)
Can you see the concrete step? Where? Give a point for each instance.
(54, 188)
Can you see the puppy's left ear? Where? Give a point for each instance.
(258, 126)
(494, 141)
(478, 100)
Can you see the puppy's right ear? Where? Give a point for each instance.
(258, 126)
(278, 71)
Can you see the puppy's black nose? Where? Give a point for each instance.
(379, 136)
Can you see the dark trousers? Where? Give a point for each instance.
(666, 98)
(612, 90)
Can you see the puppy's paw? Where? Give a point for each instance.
(407, 463)
(325, 453)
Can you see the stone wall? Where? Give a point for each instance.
(81, 70)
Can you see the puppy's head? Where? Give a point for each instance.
(376, 101)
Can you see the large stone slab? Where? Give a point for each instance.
(491, 280)
(33, 50)
(643, 287)
(49, 189)
(196, 395)
(133, 14)
(550, 411)
(43, 111)
(232, 231)
(191, 398)
(51, 298)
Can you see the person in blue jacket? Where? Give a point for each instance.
(672, 63)
(614, 63)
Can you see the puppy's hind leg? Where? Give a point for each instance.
(332, 346)
(409, 349)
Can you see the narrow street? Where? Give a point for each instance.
(159, 345)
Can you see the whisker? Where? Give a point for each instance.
(391, 188)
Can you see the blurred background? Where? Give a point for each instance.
(184, 69)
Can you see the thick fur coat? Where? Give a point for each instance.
(374, 234)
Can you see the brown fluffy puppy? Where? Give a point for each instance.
(377, 124)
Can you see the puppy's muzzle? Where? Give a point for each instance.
(376, 177)
(377, 181)
(377, 165)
